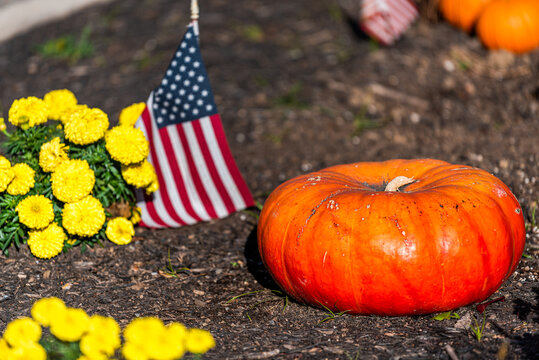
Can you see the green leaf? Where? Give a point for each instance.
(15, 237)
(446, 316)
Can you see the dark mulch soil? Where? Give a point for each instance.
(298, 90)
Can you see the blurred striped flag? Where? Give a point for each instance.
(386, 20)
(198, 177)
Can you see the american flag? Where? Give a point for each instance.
(386, 20)
(198, 177)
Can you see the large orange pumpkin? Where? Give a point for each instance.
(512, 25)
(462, 13)
(398, 237)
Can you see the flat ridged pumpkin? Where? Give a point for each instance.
(462, 13)
(512, 25)
(399, 237)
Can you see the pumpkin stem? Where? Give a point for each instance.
(397, 182)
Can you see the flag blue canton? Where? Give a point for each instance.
(185, 93)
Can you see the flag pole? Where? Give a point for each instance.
(194, 10)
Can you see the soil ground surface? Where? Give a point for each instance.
(298, 89)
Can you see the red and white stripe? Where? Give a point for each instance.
(198, 177)
(386, 20)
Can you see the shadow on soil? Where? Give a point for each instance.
(524, 308)
(529, 342)
(254, 263)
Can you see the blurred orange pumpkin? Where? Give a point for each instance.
(462, 13)
(512, 25)
(436, 237)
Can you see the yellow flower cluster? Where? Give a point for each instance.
(99, 337)
(127, 144)
(47, 243)
(102, 338)
(23, 179)
(20, 340)
(46, 309)
(61, 104)
(6, 173)
(72, 180)
(69, 165)
(140, 174)
(52, 154)
(28, 112)
(83, 126)
(70, 324)
(86, 126)
(84, 217)
(55, 105)
(148, 338)
(136, 216)
(154, 186)
(35, 211)
(130, 114)
(120, 231)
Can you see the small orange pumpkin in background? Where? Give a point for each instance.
(512, 25)
(462, 13)
(399, 237)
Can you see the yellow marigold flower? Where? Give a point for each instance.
(126, 144)
(176, 330)
(52, 154)
(6, 173)
(47, 243)
(35, 211)
(2, 124)
(70, 325)
(22, 331)
(120, 231)
(28, 112)
(198, 341)
(135, 215)
(46, 309)
(148, 338)
(139, 329)
(72, 180)
(153, 187)
(84, 217)
(4, 349)
(132, 351)
(4, 162)
(59, 102)
(66, 115)
(32, 351)
(86, 126)
(164, 347)
(23, 179)
(104, 325)
(140, 174)
(95, 345)
(130, 114)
